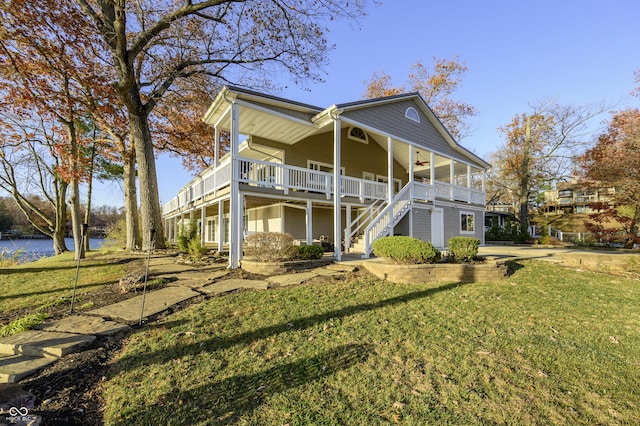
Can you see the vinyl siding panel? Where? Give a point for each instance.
(264, 219)
(422, 224)
(390, 119)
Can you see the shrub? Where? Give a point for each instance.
(463, 249)
(196, 249)
(548, 240)
(406, 250)
(307, 252)
(186, 235)
(270, 246)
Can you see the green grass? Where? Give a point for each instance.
(23, 324)
(47, 280)
(545, 346)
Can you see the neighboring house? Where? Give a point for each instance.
(399, 172)
(577, 197)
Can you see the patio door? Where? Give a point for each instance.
(437, 228)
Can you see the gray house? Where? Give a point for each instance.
(347, 174)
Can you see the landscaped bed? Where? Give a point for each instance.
(548, 345)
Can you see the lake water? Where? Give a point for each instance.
(35, 249)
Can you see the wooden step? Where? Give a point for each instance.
(43, 343)
(14, 368)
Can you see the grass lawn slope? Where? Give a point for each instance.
(546, 346)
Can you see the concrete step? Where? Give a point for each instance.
(14, 368)
(43, 343)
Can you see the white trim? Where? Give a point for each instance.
(327, 165)
(353, 138)
(473, 223)
(412, 114)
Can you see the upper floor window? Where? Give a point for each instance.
(357, 134)
(412, 114)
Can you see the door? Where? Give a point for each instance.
(437, 228)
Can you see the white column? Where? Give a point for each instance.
(240, 228)
(452, 178)
(432, 166)
(175, 229)
(308, 217)
(203, 225)
(220, 226)
(468, 176)
(347, 231)
(390, 168)
(234, 205)
(337, 206)
(216, 154)
(411, 161)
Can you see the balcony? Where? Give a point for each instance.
(286, 178)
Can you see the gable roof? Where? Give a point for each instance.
(266, 115)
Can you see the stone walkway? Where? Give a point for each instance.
(23, 354)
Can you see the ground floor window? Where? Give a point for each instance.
(467, 222)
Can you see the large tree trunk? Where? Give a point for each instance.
(76, 219)
(633, 235)
(60, 223)
(150, 213)
(132, 225)
(524, 182)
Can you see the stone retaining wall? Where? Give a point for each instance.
(599, 261)
(441, 272)
(278, 268)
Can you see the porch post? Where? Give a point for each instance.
(234, 207)
(469, 184)
(432, 167)
(347, 231)
(452, 178)
(216, 154)
(203, 225)
(410, 164)
(337, 196)
(390, 169)
(220, 226)
(308, 217)
(175, 229)
(240, 228)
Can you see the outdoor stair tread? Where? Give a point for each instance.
(43, 343)
(14, 368)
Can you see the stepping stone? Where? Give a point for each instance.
(291, 279)
(43, 343)
(83, 324)
(341, 267)
(14, 368)
(155, 302)
(235, 284)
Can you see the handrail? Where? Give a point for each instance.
(371, 211)
(387, 218)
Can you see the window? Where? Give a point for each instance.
(357, 134)
(322, 167)
(397, 183)
(412, 114)
(467, 222)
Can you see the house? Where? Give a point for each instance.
(578, 197)
(347, 174)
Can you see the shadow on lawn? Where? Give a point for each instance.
(227, 400)
(64, 289)
(180, 349)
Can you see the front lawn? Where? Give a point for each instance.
(546, 346)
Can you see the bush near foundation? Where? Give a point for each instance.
(308, 252)
(270, 246)
(463, 249)
(406, 250)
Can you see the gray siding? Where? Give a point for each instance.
(294, 223)
(390, 118)
(452, 223)
(422, 224)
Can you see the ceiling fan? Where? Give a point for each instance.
(418, 162)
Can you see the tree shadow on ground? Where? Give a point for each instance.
(181, 349)
(225, 401)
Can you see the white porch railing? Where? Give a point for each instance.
(286, 178)
(382, 224)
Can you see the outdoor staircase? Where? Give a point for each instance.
(23, 354)
(383, 223)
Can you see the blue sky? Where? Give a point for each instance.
(517, 52)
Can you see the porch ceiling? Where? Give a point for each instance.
(442, 164)
(268, 125)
